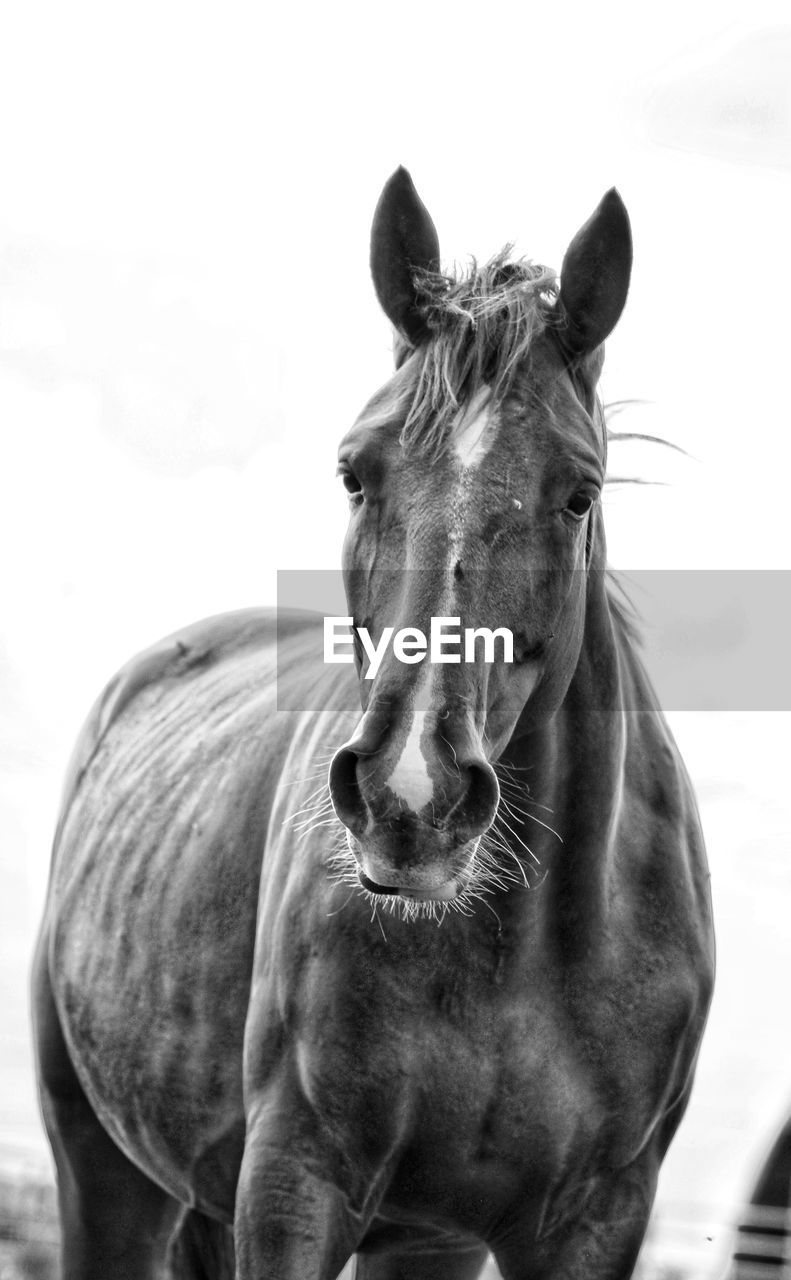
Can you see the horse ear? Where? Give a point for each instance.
(403, 241)
(594, 278)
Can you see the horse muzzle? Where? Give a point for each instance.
(415, 795)
(416, 884)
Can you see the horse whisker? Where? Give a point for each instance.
(308, 808)
(508, 827)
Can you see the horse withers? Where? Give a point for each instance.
(447, 997)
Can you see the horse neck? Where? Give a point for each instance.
(574, 768)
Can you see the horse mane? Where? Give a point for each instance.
(622, 608)
(482, 322)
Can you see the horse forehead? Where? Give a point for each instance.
(497, 435)
(541, 415)
(491, 442)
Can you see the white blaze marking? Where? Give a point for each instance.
(410, 779)
(471, 437)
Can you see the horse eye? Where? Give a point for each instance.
(580, 504)
(351, 484)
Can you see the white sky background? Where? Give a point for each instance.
(187, 324)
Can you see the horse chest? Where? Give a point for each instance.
(469, 1080)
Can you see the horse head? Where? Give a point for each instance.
(474, 479)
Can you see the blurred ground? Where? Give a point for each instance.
(28, 1226)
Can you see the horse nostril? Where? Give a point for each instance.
(345, 790)
(479, 805)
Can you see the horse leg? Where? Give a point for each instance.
(115, 1222)
(462, 1264)
(301, 1204)
(201, 1249)
(290, 1222)
(599, 1243)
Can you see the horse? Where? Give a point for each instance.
(417, 974)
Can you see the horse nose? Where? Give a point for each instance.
(470, 804)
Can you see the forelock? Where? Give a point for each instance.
(482, 324)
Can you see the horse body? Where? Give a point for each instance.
(266, 1044)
